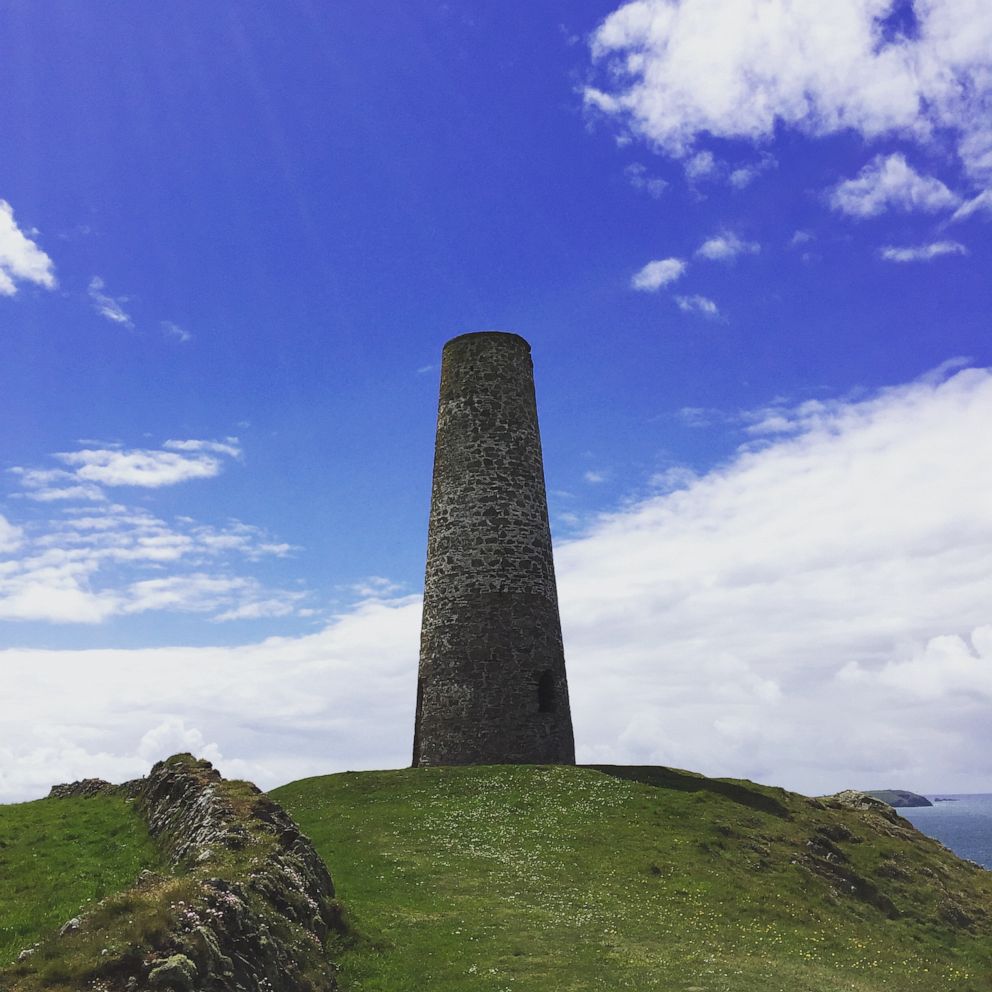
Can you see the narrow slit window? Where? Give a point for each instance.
(546, 692)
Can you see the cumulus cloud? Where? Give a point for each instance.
(170, 737)
(814, 613)
(725, 247)
(656, 274)
(109, 306)
(923, 253)
(889, 182)
(698, 304)
(677, 70)
(21, 260)
(947, 666)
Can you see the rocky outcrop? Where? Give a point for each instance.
(86, 788)
(188, 812)
(246, 931)
(248, 906)
(861, 801)
(83, 789)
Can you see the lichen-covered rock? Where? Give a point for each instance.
(187, 812)
(175, 972)
(256, 903)
(244, 932)
(83, 789)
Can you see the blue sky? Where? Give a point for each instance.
(740, 237)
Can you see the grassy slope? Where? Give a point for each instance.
(103, 839)
(58, 854)
(538, 879)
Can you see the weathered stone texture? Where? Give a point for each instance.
(85, 788)
(492, 685)
(259, 904)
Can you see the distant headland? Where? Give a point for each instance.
(899, 797)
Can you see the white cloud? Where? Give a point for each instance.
(10, 536)
(889, 182)
(923, 253)
(595, 476)
(57, 594)
(55, 485)
(815, 613)
(744, 175)
(170, 737)
(674, 72)
(149, 467)
(86, 566)
(659, 273)
(376, 587)
(173, 330)
(698, 416)
(281, 707)
(861, 534)
(21, 260)
(726, 246)
(226, 597)
(981, 202)
(94, 559)
(229, 446)
(698, 304)
(947, 666)
(109, 306)
(702, 165)
(639, 177)
(675, 477)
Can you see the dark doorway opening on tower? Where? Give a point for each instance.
(546, 692)
(416, 725)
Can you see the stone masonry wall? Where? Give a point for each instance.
(492, 685)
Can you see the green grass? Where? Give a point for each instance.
(531, 879)
(57, 855)
(100, 846)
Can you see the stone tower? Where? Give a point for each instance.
(492, 686)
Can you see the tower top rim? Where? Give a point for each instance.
(506, 335)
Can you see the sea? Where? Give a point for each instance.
(961, 822)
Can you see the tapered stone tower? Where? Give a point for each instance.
(492, 686)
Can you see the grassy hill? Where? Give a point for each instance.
(528, 879)
(535, 879)
(56, 855)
